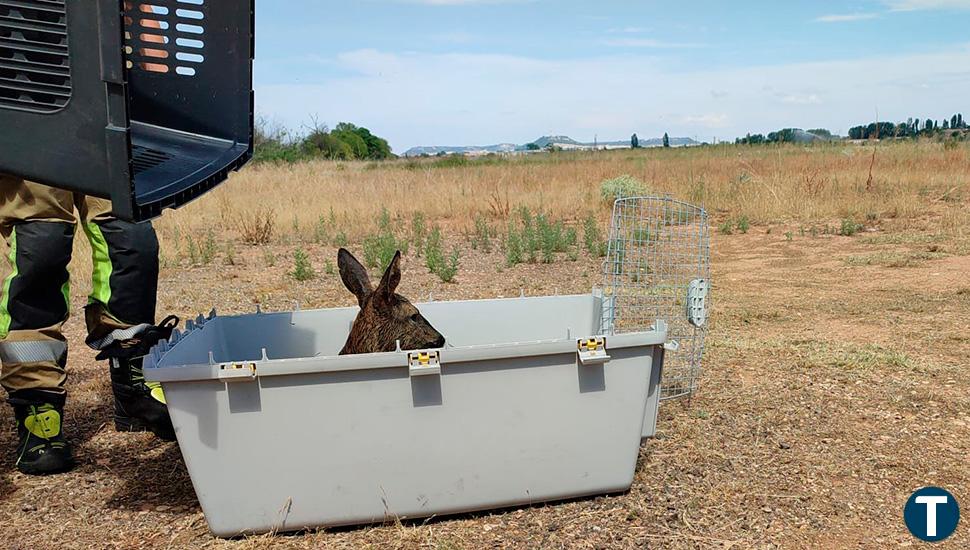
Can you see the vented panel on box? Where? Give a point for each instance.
(35, 69)
(166, 36)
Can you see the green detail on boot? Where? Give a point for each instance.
(44, 422)
(156, 392)
(42, 449)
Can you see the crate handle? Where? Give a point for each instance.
(592, 351)
(424, 363)
(237, 372)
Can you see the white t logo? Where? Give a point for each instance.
(931, 503)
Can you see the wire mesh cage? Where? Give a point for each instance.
(658, 267)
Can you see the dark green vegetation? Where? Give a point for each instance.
(345, 142)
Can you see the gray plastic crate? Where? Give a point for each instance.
(280, 434)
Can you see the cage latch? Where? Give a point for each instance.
(592, 351)
(424, 363)
(237, 372)
(697, 302)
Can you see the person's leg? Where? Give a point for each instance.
(38, 223)
(120, 314)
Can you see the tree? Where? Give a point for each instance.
(533, 147)
(960, 123)
(946, 124)
(324, 143)
(377, 148)
(953, 122)
(634, 142)
(356, 143)
(666, 140)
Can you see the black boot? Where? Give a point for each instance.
(41, 449)
(139, 405)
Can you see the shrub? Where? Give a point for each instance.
(571, 237)
(513, 247)
(302, 270)
(435, 260)
(744, 225)
(257, 229)
(620, 187)
(321, 231)
(726, 228)
(434, 257)
(644, 235)
(419, 232)
(483, 235)
(593, 238)
(676, 215)
(193, 250)
(340, 239)
(230, 258)
(449, 269)
(380, 248)
(850, 228)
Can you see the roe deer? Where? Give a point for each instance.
(385, 318)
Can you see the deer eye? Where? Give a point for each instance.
(416, 318)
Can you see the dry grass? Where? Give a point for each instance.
(765, 184)
(833, 387)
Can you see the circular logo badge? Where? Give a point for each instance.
(932, 514)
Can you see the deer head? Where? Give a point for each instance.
(385, 317)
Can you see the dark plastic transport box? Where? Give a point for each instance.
(147, 104)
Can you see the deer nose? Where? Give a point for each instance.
(439, 343)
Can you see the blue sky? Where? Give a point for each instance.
(479, 72)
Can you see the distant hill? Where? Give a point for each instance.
(544, 142)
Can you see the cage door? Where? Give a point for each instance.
(658, 266)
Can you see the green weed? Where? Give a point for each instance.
(302, 270)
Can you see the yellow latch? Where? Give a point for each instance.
(592, 351)
(591, 344)
(424, 362)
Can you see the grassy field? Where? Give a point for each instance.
(835, 381)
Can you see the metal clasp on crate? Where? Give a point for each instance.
(592, 351)
(697, 302)
(424, 363)
(237, 372)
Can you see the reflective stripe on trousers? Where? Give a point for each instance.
(38, 351)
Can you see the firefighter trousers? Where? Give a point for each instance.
(38, 223)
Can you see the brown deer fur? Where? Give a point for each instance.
(385, 317)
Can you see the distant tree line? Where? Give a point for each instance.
(786, 135)
(913, 127)
(345, 142)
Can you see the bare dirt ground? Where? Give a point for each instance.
(836, 383)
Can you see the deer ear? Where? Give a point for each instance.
(354, 276)
(391, 278)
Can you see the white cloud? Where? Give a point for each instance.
(462, 2)
(649, 43)
(427, 99)
(914, 5)
(708, 121)
(845, 18)
(628, 30)
(455, 37)
(800, 99)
